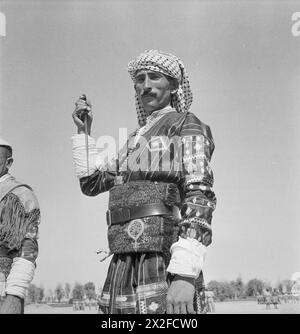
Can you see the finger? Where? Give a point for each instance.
(169, 309)
(76, 118)
(80, 104)
(80, 110)
(190, 308)
(82, 101)
(183, 309)
(90, 115)
(177, 309)
(88, 102)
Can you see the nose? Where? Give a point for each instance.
(147, 86)
(147, 82)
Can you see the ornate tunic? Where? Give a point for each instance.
(173, 148)
(185, 163)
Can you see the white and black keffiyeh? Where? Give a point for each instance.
(170, 65)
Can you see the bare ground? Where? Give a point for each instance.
(236, 307)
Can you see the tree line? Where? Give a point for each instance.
(237, 289)
(62, 293)
(223, 290)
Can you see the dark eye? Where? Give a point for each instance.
(154, 76)
(140, 78)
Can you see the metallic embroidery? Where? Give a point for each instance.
(135, 229)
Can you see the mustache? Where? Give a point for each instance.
(144, 94)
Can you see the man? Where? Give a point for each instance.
(210, 300)
(275, 298)
(19, 219)
(268, 299)
(161, 199)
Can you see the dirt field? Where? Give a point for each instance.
(244, 307)
(251, 307)
(42, 309)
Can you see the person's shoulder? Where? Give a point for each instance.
(193, 125)
(27, 197)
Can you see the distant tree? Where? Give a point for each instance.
(239, 288)
(59, 292)
(34, 294)
(230, 291)
(287, 285)
(90, 290)
(67, 290)
(78, 291)
(280, 287)
(222, 290)
(254, 287)
(49, 296)
(233, 288)
(31, 294)
(215, 287)
(39, 294)
(226, 291)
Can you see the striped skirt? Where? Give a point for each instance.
(137, 283)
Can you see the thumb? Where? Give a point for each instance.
(190, 308)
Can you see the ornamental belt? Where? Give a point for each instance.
(124, 214)
(138, 199)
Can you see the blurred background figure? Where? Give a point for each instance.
(275, 298)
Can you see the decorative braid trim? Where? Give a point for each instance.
(195, 220)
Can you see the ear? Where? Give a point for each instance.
(9, 162)
(174, 84)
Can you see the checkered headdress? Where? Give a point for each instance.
(170, 65)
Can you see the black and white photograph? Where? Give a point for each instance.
(149, 158)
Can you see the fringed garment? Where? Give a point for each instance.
(19, 219)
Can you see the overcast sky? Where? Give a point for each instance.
(244, 68)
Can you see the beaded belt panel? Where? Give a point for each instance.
(143, 192)
(148, 234)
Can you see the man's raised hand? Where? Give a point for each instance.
(83, 109)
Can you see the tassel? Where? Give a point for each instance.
(105, 253)
(14, 221)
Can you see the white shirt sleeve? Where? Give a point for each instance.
(82, 167)
(20, 276)
(188, 256)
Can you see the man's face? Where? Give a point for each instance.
(154, 90)
(5, 160)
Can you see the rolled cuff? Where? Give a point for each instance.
(84, 166)
(188, 256)
(19, 278)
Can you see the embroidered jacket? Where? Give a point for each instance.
(177, 149)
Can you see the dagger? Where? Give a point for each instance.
(85, 121)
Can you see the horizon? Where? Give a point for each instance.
(245, 282)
